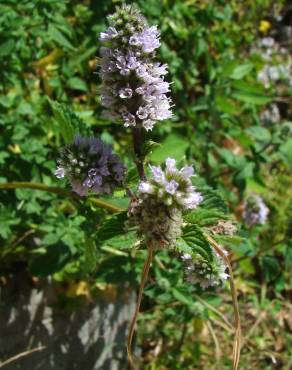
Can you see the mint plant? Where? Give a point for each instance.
(165, 202)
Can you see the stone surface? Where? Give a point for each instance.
(92, 336)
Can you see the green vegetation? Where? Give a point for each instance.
(232, 122)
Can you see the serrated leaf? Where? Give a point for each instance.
(69, 123)
(59, 38)
(90, 256)
(182, 246)
(205, 217)
(111, 227)
(122, 241)
(62, 117)
(212, 200)
(195, 240)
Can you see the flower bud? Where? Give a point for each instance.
(90, 165)
(255, 211)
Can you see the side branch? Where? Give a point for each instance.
(66, 193)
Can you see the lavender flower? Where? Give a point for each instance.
(255, 211)
(206, 274)
(89, 164)
(133, 85)
(172, 187)
(271, 114)
(162, 199)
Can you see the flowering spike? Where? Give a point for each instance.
(206, 274)
(255, 211)
(162, 199)
(89, 164)
(133, 85)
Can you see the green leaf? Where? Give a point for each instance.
(122, 241)
(114, 226)
(251, 98)
(250, 93)
(246, 172)
(182, 246)
(90, 256)
(77, 84)
(226, 105)
(241, 71)
(69, 122)
(7, 47)
(183, 298)
(212, 200)
(7, 220)
(259, 133)
(205, 217)
(59, 38)
(173, 146)
(271, 267)
(195, 240)
(61, 115)
(286, 151)
(253, 186)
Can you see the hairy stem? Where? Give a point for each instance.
(20, 355)
(52, 189)
(237, 325)
(137, 142)
(144, 277)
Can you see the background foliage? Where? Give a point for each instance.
(48, 52)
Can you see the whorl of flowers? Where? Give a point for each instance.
(90, 165)
(133, 85)
(271, 115)
(206, 274)
(224, 227)
(255, 211)
(172, 186)
(161, 201)
(159, 224)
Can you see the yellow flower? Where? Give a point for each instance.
(14, 148)
(78, 289)
(264, 26)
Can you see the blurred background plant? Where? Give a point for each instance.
(230, 63)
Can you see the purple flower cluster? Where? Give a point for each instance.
(172, 186)
(206, 274)
(161, 202)
(133, 85)
(89, 164)
(255, 211)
